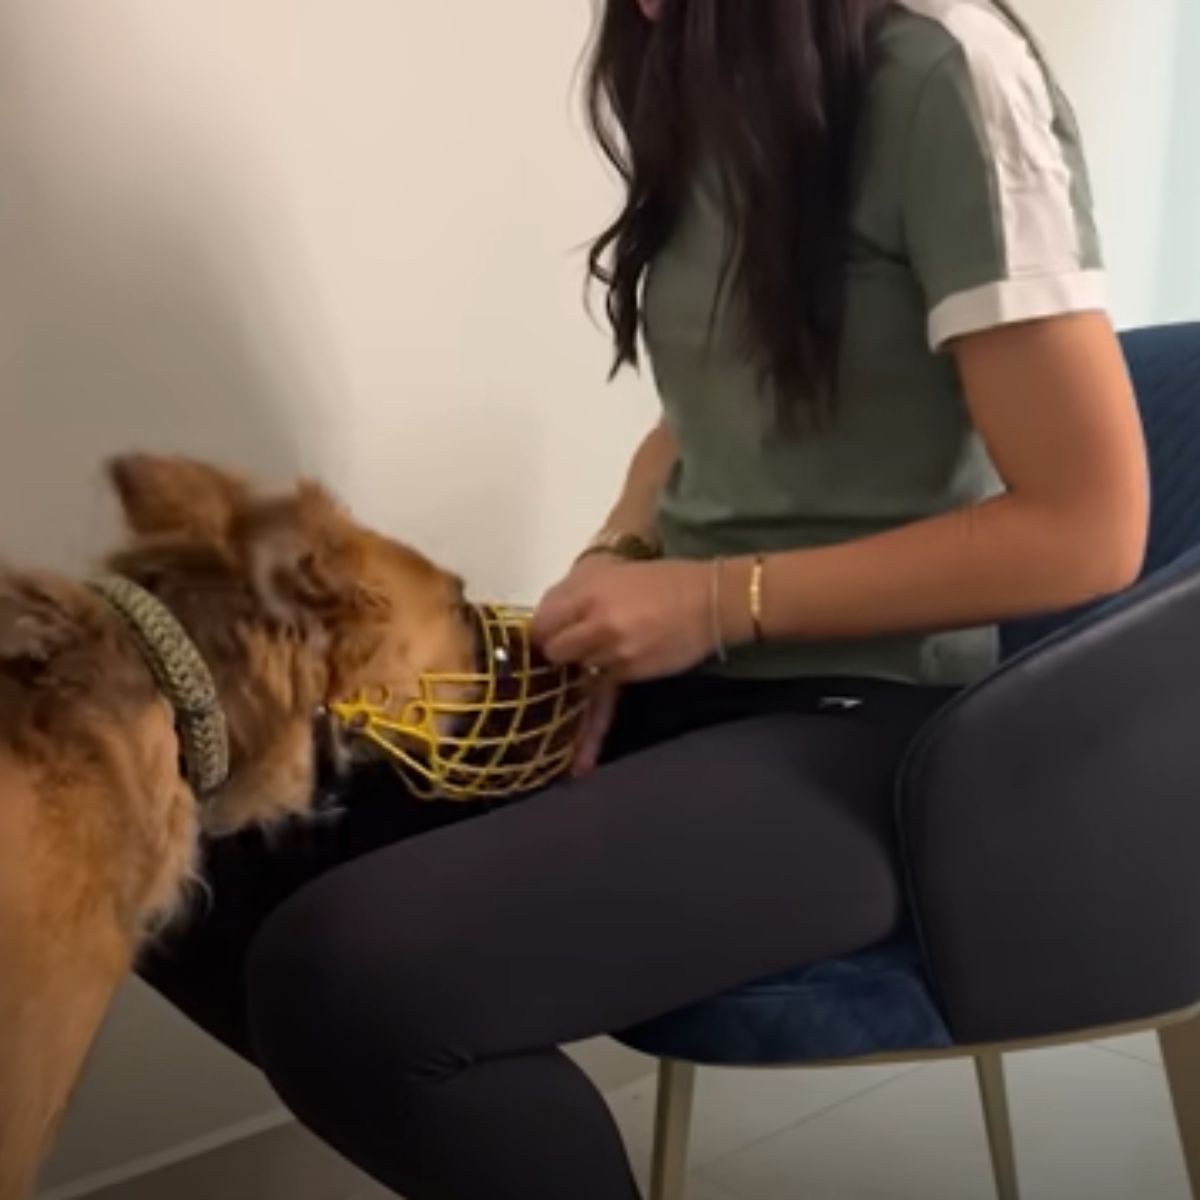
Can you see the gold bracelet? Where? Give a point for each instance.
(755, 596)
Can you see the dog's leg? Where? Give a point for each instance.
(49, 1017)
(63, 952)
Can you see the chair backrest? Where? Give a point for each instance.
(1165, 365)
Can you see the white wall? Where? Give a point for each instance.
(1117, 60)
(340, 236)
(1181, 233)
(337, 236)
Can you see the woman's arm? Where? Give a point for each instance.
(635, 510)
(633, 514)
(1053, 403)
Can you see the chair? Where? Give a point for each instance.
(1049, 821)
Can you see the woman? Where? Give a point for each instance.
(857, 239)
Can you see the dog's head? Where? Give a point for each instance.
(292, 604)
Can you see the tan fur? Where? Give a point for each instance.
(292, 606)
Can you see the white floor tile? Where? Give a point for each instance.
(737, 1107)
(1090, 1126)
(610, 1065)
(1097, 1126)
(285, 1164)
(1142, 1046)
(701, 1189)
(697, 1189)
(916, 1138)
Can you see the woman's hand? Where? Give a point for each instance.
(604, 691)
(630, 621)
(627, 621)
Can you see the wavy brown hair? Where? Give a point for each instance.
(767, 92)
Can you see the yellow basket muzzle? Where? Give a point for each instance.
(509, 728)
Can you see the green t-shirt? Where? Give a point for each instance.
(972, 209)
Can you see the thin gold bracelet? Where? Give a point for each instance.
(755, 596)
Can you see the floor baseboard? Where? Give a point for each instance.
(609, 1064)
(170, 1158)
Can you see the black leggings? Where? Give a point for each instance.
(406, 995)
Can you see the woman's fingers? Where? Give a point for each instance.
(562, 607)
(581, 644)
(601, 709)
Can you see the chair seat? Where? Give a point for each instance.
(872, 1002)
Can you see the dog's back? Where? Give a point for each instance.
(95, 834)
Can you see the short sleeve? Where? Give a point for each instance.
(997, 207)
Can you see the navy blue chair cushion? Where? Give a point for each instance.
(879, 1000)
(873, 1001)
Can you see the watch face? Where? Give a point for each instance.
(627, 545)
(637, 548)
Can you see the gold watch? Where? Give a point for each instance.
(630, 546)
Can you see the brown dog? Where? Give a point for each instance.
(290, 605)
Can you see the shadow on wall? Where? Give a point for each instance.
(122, 324)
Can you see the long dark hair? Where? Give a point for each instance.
(767, 92)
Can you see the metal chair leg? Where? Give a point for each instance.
(1181, 1056)
(672, 1126)
(994, 1094)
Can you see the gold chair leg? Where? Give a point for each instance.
(1181, 1056)
(994, 1093)
(672, 1126)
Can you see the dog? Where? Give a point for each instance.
(173, 696)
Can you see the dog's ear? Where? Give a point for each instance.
(303, 557)
(163, 495)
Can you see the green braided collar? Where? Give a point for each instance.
(181, 675)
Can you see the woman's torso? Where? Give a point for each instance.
(901, 446)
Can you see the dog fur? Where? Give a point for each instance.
(292, 605)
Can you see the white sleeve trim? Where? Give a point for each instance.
(1031, 298)
(1032, 178)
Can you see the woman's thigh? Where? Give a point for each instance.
(198, 964)
(718, 857)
